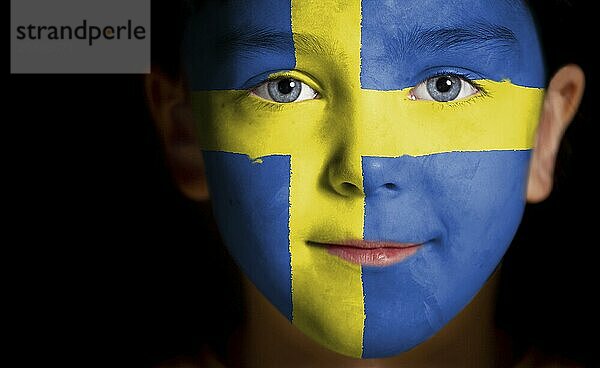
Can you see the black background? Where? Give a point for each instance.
(106, 263)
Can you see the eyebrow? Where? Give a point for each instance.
(479, 36)
(252, 40)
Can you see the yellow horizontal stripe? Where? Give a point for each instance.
(387, 123)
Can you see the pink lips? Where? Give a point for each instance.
(373, 253)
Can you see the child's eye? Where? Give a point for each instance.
(443, 88)
(285, 90)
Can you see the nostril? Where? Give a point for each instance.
(348, 187)
(390, 186)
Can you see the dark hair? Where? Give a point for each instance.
(168, 24)
(559, 22)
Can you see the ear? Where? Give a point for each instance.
(169, 103)
(561, 101)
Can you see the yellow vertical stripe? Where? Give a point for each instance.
(327, 294)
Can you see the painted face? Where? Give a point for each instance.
(367, 160)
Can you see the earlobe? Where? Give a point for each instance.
(169, 104)
(561, 102)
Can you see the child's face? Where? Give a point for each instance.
(367, 161)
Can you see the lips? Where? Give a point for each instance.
(372, 253)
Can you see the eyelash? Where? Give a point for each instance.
(260, 104)
(463, 102)
(482, 91)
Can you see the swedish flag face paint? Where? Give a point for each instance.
(366, 159)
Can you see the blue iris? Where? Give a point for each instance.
(284, 89)
(444, 88)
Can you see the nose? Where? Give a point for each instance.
(344, 173)
(352, 172)
(352, 175)
(386, 176)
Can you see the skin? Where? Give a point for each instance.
(170, 106)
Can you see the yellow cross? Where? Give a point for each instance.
(326, 139)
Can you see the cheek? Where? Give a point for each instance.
(251, 205)
(479, 195)
(480, 201)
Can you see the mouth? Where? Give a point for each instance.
(371, 253)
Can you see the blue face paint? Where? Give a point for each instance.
(453, 201)
(226, 49)
(253, 214)
(403, 42)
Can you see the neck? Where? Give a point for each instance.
(469, 340)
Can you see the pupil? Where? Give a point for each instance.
(286, 86)
(443, 84)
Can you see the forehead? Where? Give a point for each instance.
(276, 14)
(496, 39)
